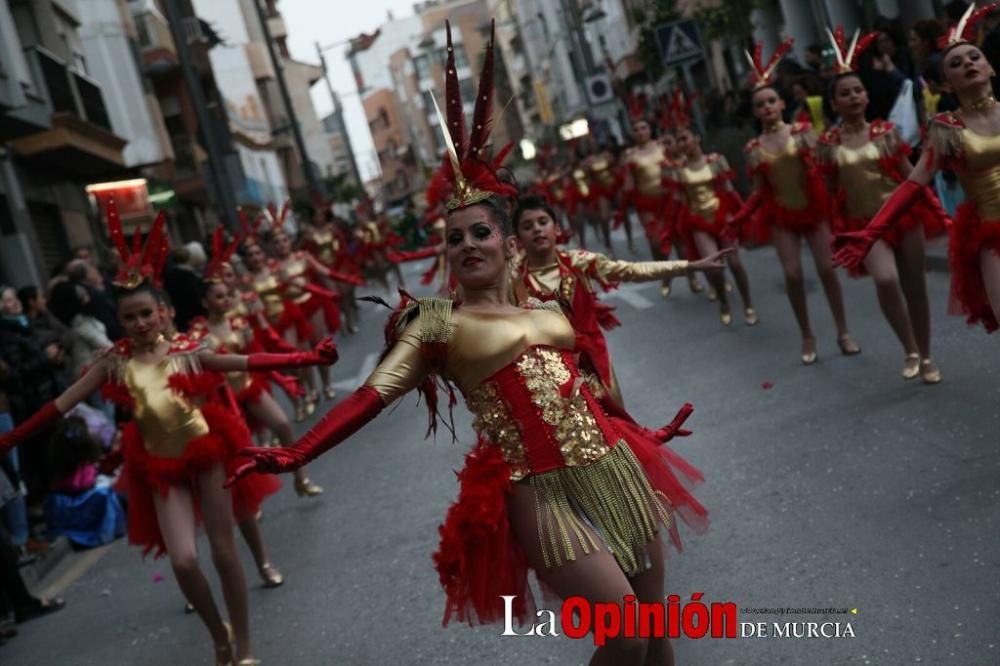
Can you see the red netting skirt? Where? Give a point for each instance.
(971, 236)
(478, 560)
(918, 215)
(146, 475)
(331, 311)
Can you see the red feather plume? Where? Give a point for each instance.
(454, 112)
(864, 44)
(482, 118)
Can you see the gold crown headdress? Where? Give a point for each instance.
(139, 263)
(467, 171)
(847, 56)
(762, 75)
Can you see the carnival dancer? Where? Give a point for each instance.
(864, 163)
(790, 201)
(555, 482)
(181, 443)
(605, 181)
(225, 332)
(581, 202)
(329, 244)
(643, 165)
(546, 273)
(704, 185)
(966, 141)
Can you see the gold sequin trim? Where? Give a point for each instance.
(493, 420)
(612, 493)
(580, 439)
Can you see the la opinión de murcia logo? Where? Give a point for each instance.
(694, 619)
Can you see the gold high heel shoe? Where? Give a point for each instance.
(911, 367)
(300, 410)
(271, 576)
(726, 317)
(329, 392)
(848, 347)
(225, 654)
(665, 289)
(249, 661)
(929, 372)
(808, 357)
(712, 295)
(306, 488)
(750, 316)
(696, 286)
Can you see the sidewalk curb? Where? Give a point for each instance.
(36, 572)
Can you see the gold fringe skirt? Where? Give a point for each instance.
(613, 495)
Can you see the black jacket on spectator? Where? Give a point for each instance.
(32, 379)
(106, 311)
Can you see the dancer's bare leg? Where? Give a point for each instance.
(881, 265)
(910, 258)
(266, 410)
(819, 242)
(707, 246)
(789, 247)
(175, 516)
(990, 263)
(217, 510)
(596, 577)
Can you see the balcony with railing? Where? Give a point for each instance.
(159, 54)
(80, 137)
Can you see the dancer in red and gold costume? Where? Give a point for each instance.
(546, 273)
(560, 481)
(226, 332)
(865, 162)
(182, 443)
(790, 201)
(605, 180)
(703, 184)
(966, 141)
(326, 241)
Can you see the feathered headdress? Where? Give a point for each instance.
(221, 254)
(964, 32)
(637, 106)
(472, 176)
(250, 234)
(276, 219)
(140, 263)
(679, 110)
(762, 75)
(847, 56)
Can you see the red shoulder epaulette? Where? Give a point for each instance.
(799, 128)
(949, 119)
(183, 343)
(880, 128)
(831, 137)
(752, 144)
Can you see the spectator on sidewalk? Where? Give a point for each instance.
(87, 275)
(35, 306)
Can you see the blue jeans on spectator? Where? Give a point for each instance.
(15, 512)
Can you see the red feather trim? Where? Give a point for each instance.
(454, 112)
(195, 384)
(482, 116)
(863, 45)
(477, 560)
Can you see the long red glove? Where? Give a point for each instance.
(413, 255)
(325, 353)
(674, 429)
(851, 247)
(346, 278)
(732, 231)
(340, 423)
(35, 424)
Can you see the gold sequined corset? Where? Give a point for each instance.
(981, 177)
(269, 291)
(541, 414)
(647, 169)
(787, 175)
(699, 188)
(861, 176)
(237, 342)
(580, 181)
(327, 246)
(601, 171)
(294, 271)
(167, 421)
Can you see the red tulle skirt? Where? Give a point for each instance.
(292, 316)
(970, 237)
(919, 215)
(146, 475)
(478, 560)
(331, 311)
(772, 213)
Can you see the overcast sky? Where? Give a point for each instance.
(329, 22)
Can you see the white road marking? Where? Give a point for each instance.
(630, 294)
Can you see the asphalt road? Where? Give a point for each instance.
(838, 486)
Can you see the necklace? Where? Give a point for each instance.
(983, 104)
(776, 127)
(151, 346)
(854, 129)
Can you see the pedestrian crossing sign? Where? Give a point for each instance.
(679, 42)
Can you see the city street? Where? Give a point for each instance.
(832, 486)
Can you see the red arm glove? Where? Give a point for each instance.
(325, 353)
(674, 429)
(413, 255)
(270, 340)
(317, 290)
(340, 423)
(38, 421)
(851, 248)
(750, 206)
(346, 278)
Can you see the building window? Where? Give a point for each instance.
(423, 65)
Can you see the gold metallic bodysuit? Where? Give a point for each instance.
(787, 175)
(167, 421)
(327, 246)
(863, 180)
(981, 178)
(600, 169)
(647, 169)
(269, 290)
(699, 189)
(293, 270)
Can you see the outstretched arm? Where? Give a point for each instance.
(402, 370)
(54, 409)
(325, 353)
(615, 270)
(336, 276)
